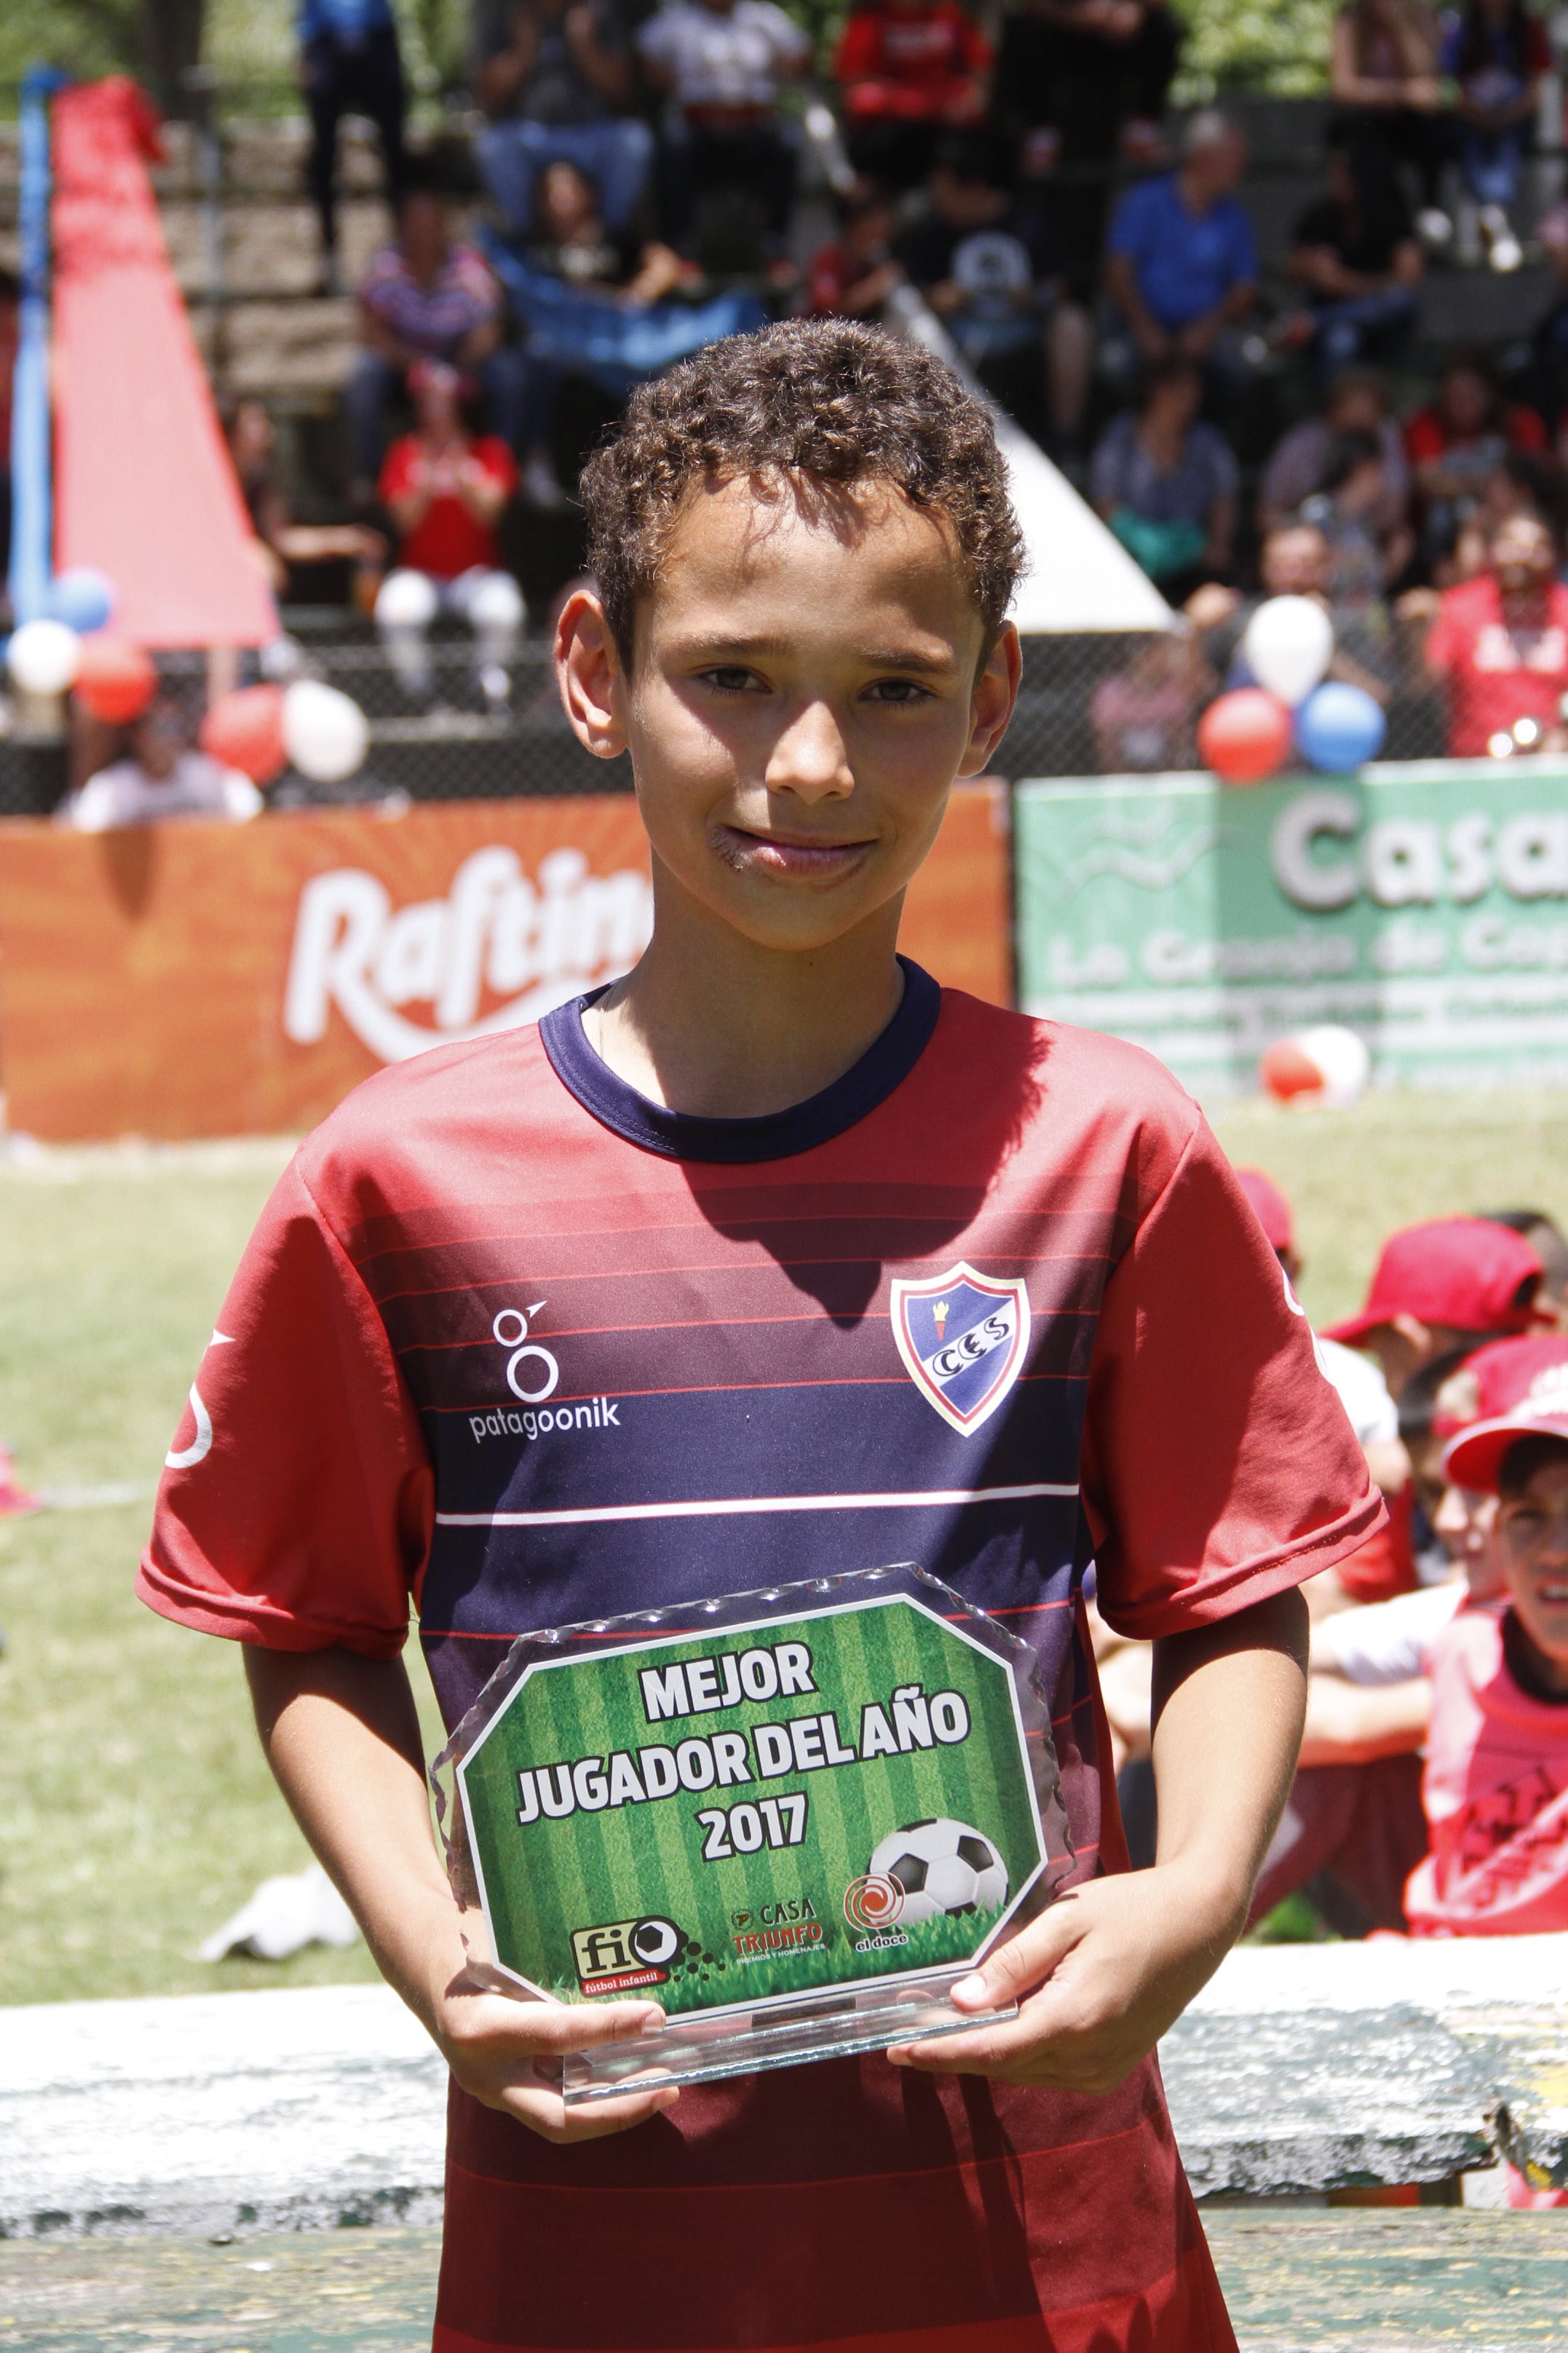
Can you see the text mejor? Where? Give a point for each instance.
(908, 1720)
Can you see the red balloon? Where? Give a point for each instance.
(1244, 736)
(116, 679)
(1286, 1071)
(245, 730)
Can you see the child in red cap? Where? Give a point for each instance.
(1496, 1787)
(1440, 1283)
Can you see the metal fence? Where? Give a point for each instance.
(1089, 705)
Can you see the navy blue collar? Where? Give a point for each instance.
(778, 1134)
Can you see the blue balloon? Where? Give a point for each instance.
(82, 598)
(1339, 727)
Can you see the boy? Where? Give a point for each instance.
(1496, 1787)
(693, 1192)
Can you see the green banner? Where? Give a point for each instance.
(720, 1819)
(1421, 906)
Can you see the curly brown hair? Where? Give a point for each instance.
(810, 403)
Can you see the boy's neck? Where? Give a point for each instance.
(1538, 1674)
(712, 1023)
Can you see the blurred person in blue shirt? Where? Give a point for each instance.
(349, 64)
(1182, 260)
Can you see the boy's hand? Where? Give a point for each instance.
(507, 2054)
(1098, 1978)
(1102, 1974)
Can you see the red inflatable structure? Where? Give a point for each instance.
(145, 488)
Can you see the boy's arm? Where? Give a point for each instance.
(1110, 1966)
(341, 1737)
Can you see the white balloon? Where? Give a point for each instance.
(496, 603)
(406, 600)
(1341, 1057)
(44, 657)
(1287, 646)
(325, 734)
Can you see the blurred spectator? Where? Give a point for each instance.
(1073, 79)
(1549, 345)
(1438, 1284)
(853, 277)
(1357, 403)
(555, 78)
(722, 61)
(1355, 256)
(1166, 482)
(1498, 53)
(571, 242)
(159, 776)
(10, 330)
(446, 494)
(1385, 74)
(1458, 443)
(1369, 543)
(1144, 716)
(426, 298)
(1500, 646)
(349, 64)
(1496, 1783)
(908, 69)
(1180, 260)
(989, 268)
(1549, 1242)
(287, 547)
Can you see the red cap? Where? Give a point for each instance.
(1463, 1273)
(1520, 1390)
(1273, 1210)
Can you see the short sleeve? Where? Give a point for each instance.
(1128, 233)
(1424, 437)
(397, 468)
(1218, 1466)
(1445, 650)
(296, 1507)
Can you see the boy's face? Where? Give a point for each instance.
(1466, 1522)
(805, 689)
(1533, 1527)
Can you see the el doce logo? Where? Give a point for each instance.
(531, 943)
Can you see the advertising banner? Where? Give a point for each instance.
(199, 979)
(1422, 905)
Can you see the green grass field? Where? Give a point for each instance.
(135, 1813)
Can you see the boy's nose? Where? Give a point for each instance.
(809, 757)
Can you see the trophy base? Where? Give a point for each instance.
(698, 2050)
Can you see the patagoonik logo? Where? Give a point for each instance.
(962, 1337)
(532, 943)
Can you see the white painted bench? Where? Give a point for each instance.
(1300, 2069)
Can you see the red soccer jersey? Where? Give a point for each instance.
(447, 540)
(1497, 674)
(712, 1395)
(910, 62)
(1496, 1794)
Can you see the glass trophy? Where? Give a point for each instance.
(794, 1817)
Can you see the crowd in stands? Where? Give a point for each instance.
(647, 178)
(1432, 1793)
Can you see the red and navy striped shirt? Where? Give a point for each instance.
(518, 1347)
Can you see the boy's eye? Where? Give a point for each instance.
(729, 678)
(899, 689)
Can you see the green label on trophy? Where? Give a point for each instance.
(760, 1809)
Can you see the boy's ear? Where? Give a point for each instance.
(589, 674)
(991, 705)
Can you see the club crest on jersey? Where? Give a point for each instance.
(962, 1337)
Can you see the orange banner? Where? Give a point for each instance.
(195, 980)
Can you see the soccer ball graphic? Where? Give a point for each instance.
(943, 1868)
